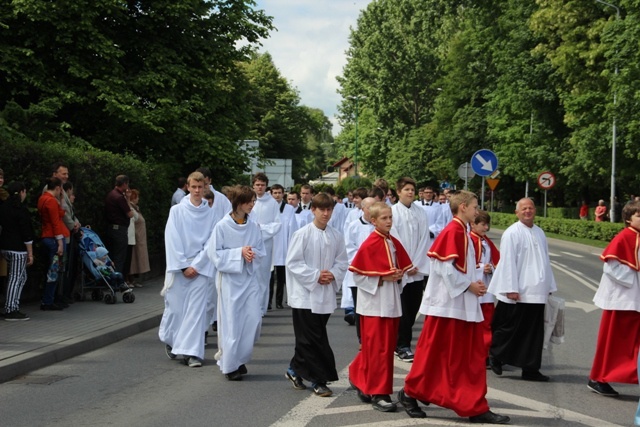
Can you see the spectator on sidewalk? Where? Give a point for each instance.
(584, 211)
(118, 214)
(180, 192)
(16, 243)
(53, 236)
(140, 254)
(601, 211)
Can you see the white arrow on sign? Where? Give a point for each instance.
(486, 164)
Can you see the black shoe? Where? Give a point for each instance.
(495, 365)
(15, 316)
(167, 350)
(279, 306)
(295, 380)
(364, 398)
(243, 370)
(67, 300)
(534, 376)
(383, 403)
(214, 327)
(50, 307)
(404, 354)
(603, 389)
(410, 405)
(321, 389)
(490, 418)
(350, 319)
(269, 307)
(234, 376)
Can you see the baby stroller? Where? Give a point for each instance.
(101, 280)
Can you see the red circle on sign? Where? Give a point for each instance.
(546, 180)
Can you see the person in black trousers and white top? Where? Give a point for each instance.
(16, 243)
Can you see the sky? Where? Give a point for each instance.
(309, 46)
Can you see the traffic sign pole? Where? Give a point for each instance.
(482, 205)
(545, 203)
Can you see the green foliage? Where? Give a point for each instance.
(540, 82)
(92, 172)
(156, 79)
(603, 231)
(351, 183)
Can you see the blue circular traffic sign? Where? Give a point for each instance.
(484, 162)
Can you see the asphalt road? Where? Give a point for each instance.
(133, 383)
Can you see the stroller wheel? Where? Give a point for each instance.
(109, 299)
(96, 295)
(128, 297)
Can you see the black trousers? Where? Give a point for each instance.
(313, 358)
(411, 298)
(277, 276)
(518, 335)
(117, 243)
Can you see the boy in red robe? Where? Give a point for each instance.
(448, 369)
(378, 270)
(619, 297)
(487, 257)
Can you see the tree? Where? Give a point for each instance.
(156, 79)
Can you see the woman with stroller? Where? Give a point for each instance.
(16, 243)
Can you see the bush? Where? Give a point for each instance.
(604, 231)
(92, 172)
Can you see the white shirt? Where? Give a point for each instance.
(524, 266)
(485, 258)
(619, 288)
(357, 232)
(445, 294)
(281, 240)
(310, 251)
(411, 227)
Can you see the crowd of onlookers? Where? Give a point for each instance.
(60, 237)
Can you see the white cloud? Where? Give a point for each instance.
(309, 46)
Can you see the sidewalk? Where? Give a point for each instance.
(52, 336)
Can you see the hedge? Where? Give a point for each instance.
(603, 231)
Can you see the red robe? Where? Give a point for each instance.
(619, 335)
(372, 369)
(488, 308)
(374, 256)
(452, 243)
(448, 369)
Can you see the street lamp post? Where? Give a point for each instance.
(355, 163)
(613, 137)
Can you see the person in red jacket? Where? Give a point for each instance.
(53, 237)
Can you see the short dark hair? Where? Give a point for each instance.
(182, 181)
(260, 177)
(58, 165)
(121, 180)
(240, 194)
(322, 201)
(294, 193)
(483, 216)
(277, 187)
(360, 192)
(405, 180)
(628, 211)
(206, 172)
(378, 192)
(67, 186)
(52, 183)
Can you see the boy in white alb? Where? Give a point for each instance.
(315, 267)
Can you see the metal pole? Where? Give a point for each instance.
(482, 206)
(613, 137)
(545, 203)
(356, 150)
(491, 200)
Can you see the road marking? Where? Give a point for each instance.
(312, 406)
(573, 255)
(569, 272)
(554, 254)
